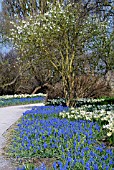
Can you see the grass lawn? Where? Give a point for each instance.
(62, 138)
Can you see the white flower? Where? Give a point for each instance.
(102, 111)
(83, 112)
(109, 134)
(60, 113)
(71, 116)
(73, 111)
(68, 116)
(63, 116)
(67, 113)
(75, 117)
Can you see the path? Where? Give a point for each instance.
(8, 116)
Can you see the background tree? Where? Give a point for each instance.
(9, 73)
(17, 76)
(62, 35)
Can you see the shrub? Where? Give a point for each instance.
(89, 86)
(86, 86)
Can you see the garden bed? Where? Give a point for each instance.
(43, 135)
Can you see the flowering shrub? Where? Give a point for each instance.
(104, 114)
(73, 144)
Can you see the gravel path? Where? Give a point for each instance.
(8, 116)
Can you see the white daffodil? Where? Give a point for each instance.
(71, 116)
(83, 112)
(109, 134)
(73, 111)
(63, 116)
(75, 117)
(60, 114)
(67, 113)
(102, 111)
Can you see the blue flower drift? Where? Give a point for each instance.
(14, 101)
(41, 133)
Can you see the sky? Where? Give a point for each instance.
(3, 48)
(0, 5)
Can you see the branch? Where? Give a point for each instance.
(49, 86)
(12, 82)
(36, 89)
(15, 79)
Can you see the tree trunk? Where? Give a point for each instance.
(70, 91)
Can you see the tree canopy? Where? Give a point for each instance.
(23, 8)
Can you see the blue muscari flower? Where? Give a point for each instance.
(90, 132)
(82, 153)
(111, 162)
(88, 168)
(103, 165)
(67, 145)
(107, 167)
(75, 161)
(74, 144)
(66, 165)
(89, 141)
(42, 167)
(45, 145)
(60, 165)
(99, 149)
(43, 137)
(63, 156)
(79, 138)
(105, 157)
(54, 165)
(69, 153)
(64, 168)
(97, 127)
(109, 151)
(95, 167)
(87, 165)
(34, 151)
(103, 146)
(69, 159)
(93, 154)
(82, 161)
